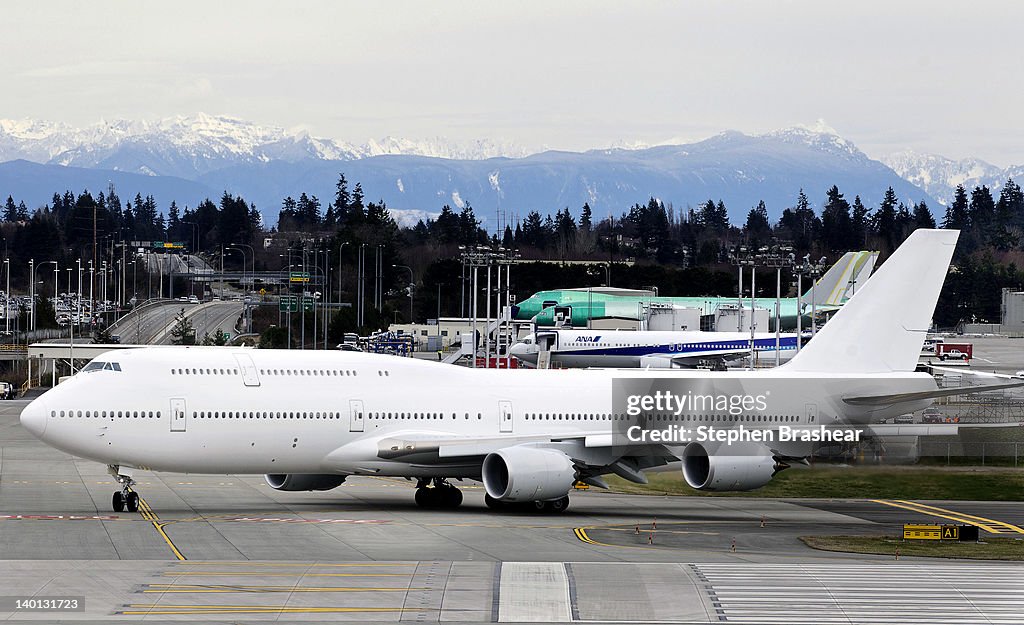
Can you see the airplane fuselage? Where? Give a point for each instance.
(222, 410)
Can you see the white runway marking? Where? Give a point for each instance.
(533, 592)
(857, 593)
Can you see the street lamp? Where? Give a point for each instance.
(412, 285)
(32, 304)
(231, 248)
(253, 252)
(7, 297)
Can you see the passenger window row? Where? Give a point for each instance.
(103, 414)
(297, 372)
(326, 373)
(191, 371)
(216, 414)
(621, 417)
(382, 416)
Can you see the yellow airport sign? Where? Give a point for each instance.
(921, 531)
(929, 531)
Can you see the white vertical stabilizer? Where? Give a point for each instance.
(883, 327)
(832, 284)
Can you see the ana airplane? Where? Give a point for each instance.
(839, 283)
(310, 419)
(627, 348)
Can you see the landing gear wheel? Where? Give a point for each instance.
(132, 502)
(492, 503)
(538, 506)
(118, 501)
(452, 497)
(558, 505)
(437, 493)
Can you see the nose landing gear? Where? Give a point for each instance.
(126, 498)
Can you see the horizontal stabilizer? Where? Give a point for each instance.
(930, 429)
(899, 398)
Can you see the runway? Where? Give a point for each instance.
(231, 548)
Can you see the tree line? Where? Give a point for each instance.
(684, 251)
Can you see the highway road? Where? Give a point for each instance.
(152, 323)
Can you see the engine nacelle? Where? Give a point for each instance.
(740, 466)
(523, 473)
(303, 481)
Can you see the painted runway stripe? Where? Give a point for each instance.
(201, 588)
(277, 574)
(147, 609)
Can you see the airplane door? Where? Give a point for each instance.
(812, 412)
(248, 370)
(504, 416)
(355, 415)
(178, 414)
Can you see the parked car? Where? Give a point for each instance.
(6, 390)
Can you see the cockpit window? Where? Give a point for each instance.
(101, 366)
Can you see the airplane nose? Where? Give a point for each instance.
(34, 416)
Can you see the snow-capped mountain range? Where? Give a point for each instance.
(189, 158)
(189, 146)
(939, 176)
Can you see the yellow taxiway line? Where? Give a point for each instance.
(197, 588)
(147, 513)
(989, 525)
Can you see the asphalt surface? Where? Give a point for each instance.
(230, 548)
(152, 324)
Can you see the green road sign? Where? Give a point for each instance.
(298, 276)
(289, 303)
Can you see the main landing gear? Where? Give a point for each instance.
(126, 498)
(437, 493)
(554, 506)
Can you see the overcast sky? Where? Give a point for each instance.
(934, 77)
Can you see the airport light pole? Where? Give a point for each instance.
(7, 297)
(412, 286)
(777, 256)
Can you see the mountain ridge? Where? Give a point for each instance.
(266, 164)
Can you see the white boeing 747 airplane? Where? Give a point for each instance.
(307, 420)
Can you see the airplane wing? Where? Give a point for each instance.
(689, 359)
(896, 398)
(929, 429)
(587, 449)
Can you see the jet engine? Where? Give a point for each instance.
(303, 481)
(740, 466)
(523, 473)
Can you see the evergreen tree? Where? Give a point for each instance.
(836, 223)
(982, 216)
(757, 220)
(958, 212)
(446, 229)
(183, 333)
(585, 218)
(534, 233)
(10, 210)
(923, 216)
(860, 223)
